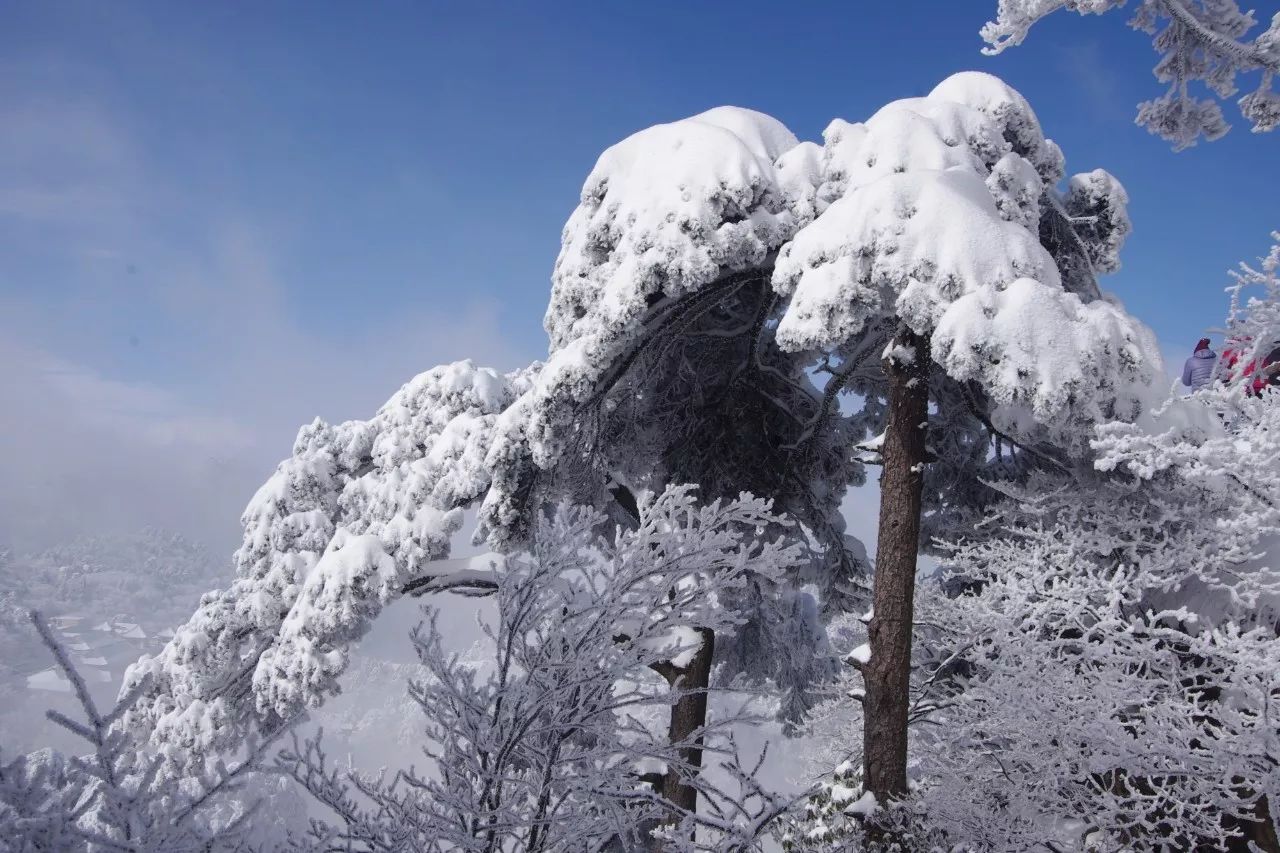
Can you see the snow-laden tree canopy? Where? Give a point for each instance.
(936, 222)
(943, 211)
(1099, 665)
(720, 286)
(661, 365)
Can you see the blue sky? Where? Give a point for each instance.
(220, 220)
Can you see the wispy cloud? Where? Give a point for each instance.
(1084, 64)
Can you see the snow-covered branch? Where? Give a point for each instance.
(1198, 41)
(551, 749)
(357, 516)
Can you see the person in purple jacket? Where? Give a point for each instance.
(1198, 369)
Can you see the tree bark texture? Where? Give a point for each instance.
(688, 715)
(887, 675)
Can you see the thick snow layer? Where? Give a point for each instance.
(927, 211)
(932, 217)
(906, 244)
(665, 211)
(1033, 344)
(1017, 121)
(799, 174)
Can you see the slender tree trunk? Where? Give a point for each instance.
(688, 715)
(887, 675)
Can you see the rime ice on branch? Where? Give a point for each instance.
(549, 750)
(1199, 41)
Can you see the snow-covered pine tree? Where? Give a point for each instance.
(947, 254)
(1103, 673)
(720, 289)
(1198, 41)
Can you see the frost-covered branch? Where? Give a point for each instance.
(1099, 666)
(554, 746)
(1198, 41)
(114, 798)
(359, 514)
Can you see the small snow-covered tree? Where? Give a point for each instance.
(1198, 41)
(113, 798)
(557, 746)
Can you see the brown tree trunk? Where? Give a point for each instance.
(688, 715)
(887, 675)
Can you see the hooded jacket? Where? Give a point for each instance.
(1198, 369)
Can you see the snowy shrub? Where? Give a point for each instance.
(556, 747)
(113, 798)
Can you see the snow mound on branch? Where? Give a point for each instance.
(767, 137)
(915, 135)
(1099, 204)
(665, 211)
(1031, 344)
(664, 214)
(1005, 105)
(908, 243)
(799, 174)
(358, 510)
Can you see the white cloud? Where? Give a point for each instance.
(152, 380)
(83, 452)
